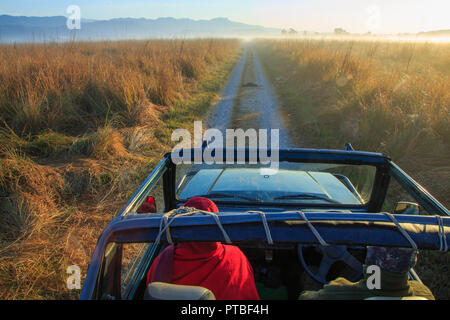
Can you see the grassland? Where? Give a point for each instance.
(81, 125)
(390, 97)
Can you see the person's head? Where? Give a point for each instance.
(398, 260)
(201, 203)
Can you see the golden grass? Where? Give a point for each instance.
(389, 97)
(71, 86)
(81, 125)
(380, 96)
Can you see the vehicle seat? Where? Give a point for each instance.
(397, 298)
(167, 291)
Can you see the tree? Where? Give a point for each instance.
(340, 31)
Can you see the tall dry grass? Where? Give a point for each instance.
(390, 97)
(81, 124)
(71, 87)
(380, 96)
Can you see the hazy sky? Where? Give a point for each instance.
(378, 16)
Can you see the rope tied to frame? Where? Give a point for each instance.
(168, 218)
(266, 226)
(165, 223)
(443, 247)
(219, 224)
(400, 228)
(313, 229)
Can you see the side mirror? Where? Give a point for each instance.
(405, 207)
(148, 206)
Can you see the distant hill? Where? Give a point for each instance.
(38, 29)
(436, 33)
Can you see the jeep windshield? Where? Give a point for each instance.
(303, 183)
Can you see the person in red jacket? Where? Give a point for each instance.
(223, 269)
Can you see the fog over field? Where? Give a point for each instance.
(55, 29)
(45, 29)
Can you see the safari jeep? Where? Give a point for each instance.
(300, 226)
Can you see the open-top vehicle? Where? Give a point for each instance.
(310, 219)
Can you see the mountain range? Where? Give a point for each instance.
(40, 29)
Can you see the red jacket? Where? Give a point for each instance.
(223, 269)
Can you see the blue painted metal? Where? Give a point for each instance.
(306, 155)
(249, 228)
(231, 217)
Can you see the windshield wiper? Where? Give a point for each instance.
(227, 195)
(307, 196)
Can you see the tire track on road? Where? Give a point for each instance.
(248, 101)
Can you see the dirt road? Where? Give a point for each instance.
(248, 101)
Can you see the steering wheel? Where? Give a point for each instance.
(330, 255)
